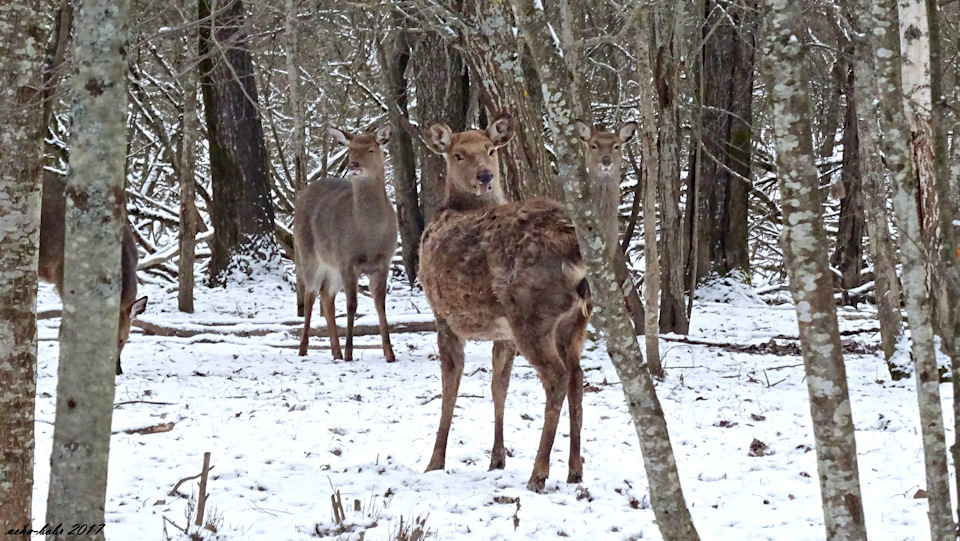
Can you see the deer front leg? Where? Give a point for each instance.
(570, 337)
(504, 352)
(308, 300)
(329, 312)
(450, 348)
(349, 277)
(378, 286)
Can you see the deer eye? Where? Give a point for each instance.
(593, 147)
(370, 151)
(458, 157)
(616, 147)
(492, 150)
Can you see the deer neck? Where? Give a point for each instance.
(369, 193)
(465, 201)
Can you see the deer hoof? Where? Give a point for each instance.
(497, 464)
(536, 483)
(433, 466)
(575, 477)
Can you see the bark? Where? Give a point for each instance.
(673, 317)
(92, 277)
(564, 103)
(188, 165)
(721, 177)
(882, 251)
(492, 52)
(804, 246)
(848, 254)
(884, 26)
(298, 139)
(651, 172)
(242, 212)
(21, 122)
(409, 218)
(442, 86)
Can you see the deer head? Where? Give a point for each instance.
(473, 165)
(364, 152)
(604, 153)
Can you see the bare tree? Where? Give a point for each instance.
(21, 122)
(189, 128)
(92, 278)
(811, 285)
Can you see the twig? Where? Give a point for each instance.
(118, 404)
(202, 499)
(155, 429)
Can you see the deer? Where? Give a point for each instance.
(50, 264)
(603, 159)
(343, 228)
(510, 273)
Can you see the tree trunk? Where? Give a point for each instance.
(493, 55)
(882, 251)
(897, 149)
(294, 95)
(804, 245)
(409, 218)
(564, 103)
(673, 317)
(91, 282)
(442, 86)
(188, 167)
(242, 212)
(722, 173)
(21, 122)
(848, 255)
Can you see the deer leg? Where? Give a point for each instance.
(329, 312)
(542, 353)
(349, 278)
(308, 300)
(570, 339)
(503, 353)
(450, 348)
(378, 285)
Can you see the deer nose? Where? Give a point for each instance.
(485, 176)
(354, 165)
(606, 161)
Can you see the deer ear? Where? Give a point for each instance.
(384, 133)
(438, 137)
(500, 131)
(341, 137)
(138, 307)
(583, 129)
(627, 131)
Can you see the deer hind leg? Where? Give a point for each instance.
(570, 337)
(503, 353)
(450, 347)
(308, 299)
(378, 286)
(540, 349)
(349, 278)
(329, 312)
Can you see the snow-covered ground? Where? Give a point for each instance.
(287, 432)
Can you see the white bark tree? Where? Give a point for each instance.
(91, 284)
(21, 137)
(811, 284)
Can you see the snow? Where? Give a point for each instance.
(286, 432)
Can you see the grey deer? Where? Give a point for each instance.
(510, 273)
(50, 267)
(343, 228)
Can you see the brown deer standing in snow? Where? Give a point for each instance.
(604, 157)
(50, 267)
(343, 228)
(510, 273)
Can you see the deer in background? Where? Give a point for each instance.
(604, 156)
(510, 273)
(343, 228)
(50, 267)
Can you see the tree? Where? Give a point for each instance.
(188, 164)
(91, 283)
(21, 122)
(811, 285)
(565, 101)
(242, 212)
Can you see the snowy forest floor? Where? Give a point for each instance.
(285, 432)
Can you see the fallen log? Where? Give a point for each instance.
(247, 330)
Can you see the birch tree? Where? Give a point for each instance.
(91, 283)
(565, 101)
(804, 245)
(21, 133)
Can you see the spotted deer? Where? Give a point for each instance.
(510, 273)
(604, 157)
(50, 267)
(343, 228)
